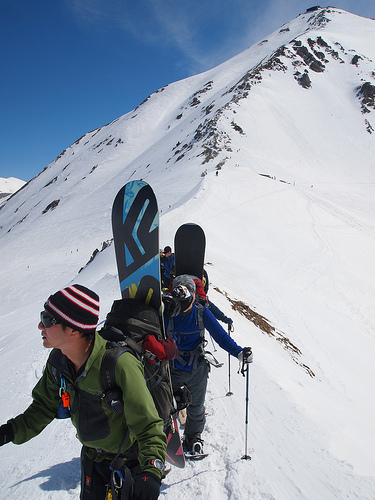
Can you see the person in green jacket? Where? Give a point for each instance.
(71, 386)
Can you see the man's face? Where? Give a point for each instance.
(168, 254)
(54, 335)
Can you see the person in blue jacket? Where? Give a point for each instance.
(190, 368)
(168, 266)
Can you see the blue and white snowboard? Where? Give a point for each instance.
(135, 225)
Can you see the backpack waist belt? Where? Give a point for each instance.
(194, 356)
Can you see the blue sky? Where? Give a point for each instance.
(71, 66)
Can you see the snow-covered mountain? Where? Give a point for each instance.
(9, 186)
(272, 153)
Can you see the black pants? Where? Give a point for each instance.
(196, 382)
(96, 476)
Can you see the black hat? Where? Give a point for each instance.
(75, 306)
(167, 249)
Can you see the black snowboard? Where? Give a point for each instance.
(189, 249)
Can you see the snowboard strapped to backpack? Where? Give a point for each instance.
(128, 325)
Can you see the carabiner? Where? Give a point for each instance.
(117, 479)
(62, 389)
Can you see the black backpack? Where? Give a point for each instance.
(125, 328)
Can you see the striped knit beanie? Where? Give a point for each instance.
(75, 306)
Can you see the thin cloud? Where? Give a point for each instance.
(204, 33)
(87, 12)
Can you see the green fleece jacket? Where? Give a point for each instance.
(99, 429)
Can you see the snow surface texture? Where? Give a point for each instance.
(290, 228)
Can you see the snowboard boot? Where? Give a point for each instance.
(193, 446)
(197, 448)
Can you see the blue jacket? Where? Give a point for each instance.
(168, 265)
(188, 323)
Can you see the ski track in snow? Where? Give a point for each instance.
(291, 457)
(273, 438)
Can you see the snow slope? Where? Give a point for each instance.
(290, 228)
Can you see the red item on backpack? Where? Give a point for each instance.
(165, 349)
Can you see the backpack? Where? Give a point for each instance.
(127, 326)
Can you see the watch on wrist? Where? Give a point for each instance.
(157, 463)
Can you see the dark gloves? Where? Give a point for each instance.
(246, 355)
(6, 434)
(146, 486)
(227, 320)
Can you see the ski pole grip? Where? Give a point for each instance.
(247, 355)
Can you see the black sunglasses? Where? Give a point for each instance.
(47, 320)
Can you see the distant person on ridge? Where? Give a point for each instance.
(71, 387)
(168, 266)
(190, 368)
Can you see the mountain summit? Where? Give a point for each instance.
(295, 106)
(272, 153)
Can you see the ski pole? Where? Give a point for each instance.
(229, 393)
(247, 370)
(213, 344)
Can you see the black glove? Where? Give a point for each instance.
(246, 355)
(146, 486)
(6, 434)
(228, 321)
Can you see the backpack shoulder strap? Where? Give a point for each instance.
(200, 320)
(107, 368)
(170, 328)
(112, 394)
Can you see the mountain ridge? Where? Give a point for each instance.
(281, 177)
(210, 140)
